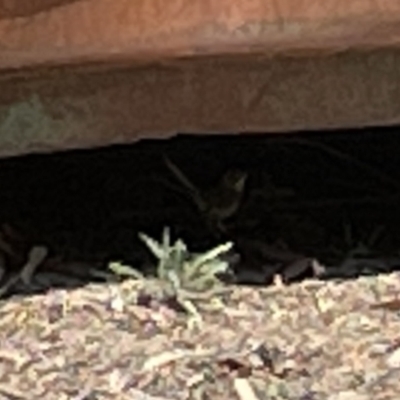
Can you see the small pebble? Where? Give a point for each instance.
(348, 395)
(393, 361)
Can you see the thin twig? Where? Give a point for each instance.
(344, 156)
(339, 202)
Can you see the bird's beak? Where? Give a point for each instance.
(241, 182)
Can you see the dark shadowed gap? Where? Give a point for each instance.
(325, 196)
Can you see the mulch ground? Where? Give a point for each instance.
(312, 340)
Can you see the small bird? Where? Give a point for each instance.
(218, 202)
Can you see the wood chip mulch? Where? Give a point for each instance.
(313, 340)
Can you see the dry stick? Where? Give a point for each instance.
(366, 200)
(346, 184)
(347, 157)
